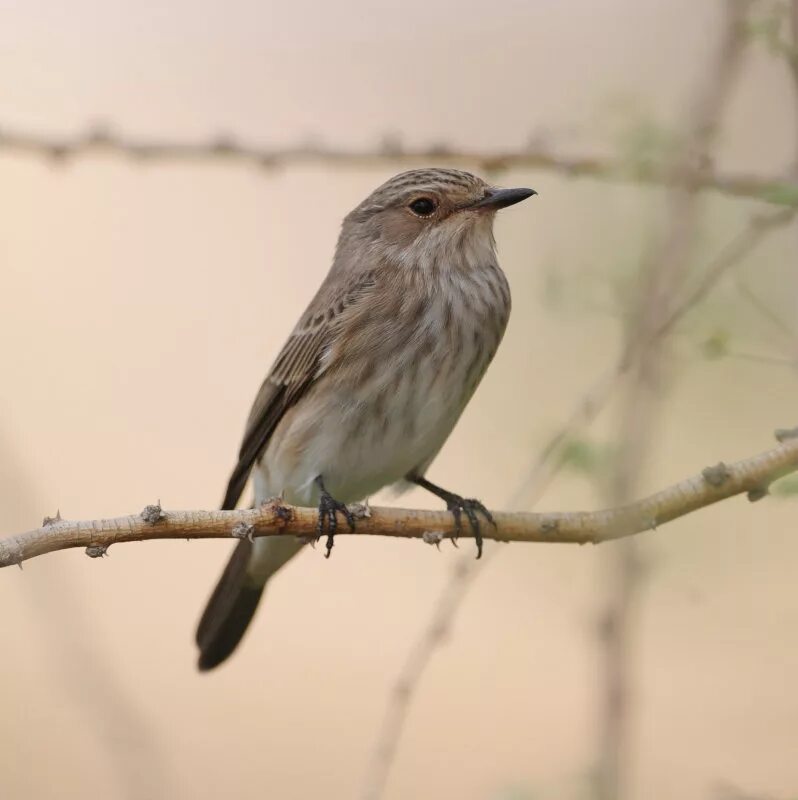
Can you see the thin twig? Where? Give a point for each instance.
(756, 358)
(765, 311)
(100, 140)
(737, 249)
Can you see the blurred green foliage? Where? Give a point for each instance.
(587, 458)
(769, 25)
(786, 487)
(781, 194)
(716, 345)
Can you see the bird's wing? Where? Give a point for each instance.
(296, 369)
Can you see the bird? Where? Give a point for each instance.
(374, 376)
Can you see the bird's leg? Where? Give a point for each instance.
(328, 510)
(458, 506)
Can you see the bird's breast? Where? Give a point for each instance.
(422, 366)
(397, 383)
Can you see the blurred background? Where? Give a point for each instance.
(143, 299)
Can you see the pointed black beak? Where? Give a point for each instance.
(501, 198)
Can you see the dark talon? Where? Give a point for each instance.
(469, 506)
(328, 509)
(458, 506)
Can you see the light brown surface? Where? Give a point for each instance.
(141, 306)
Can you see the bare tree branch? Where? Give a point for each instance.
(793, 54)
(737, 249)
(794, 68)
(103, 141)
(663, 275)
(752, 475)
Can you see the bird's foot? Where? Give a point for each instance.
(459, 506)
(471, 508)
(329, 508)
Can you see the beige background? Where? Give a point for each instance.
(141, 305)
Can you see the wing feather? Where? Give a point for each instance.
(296, 368)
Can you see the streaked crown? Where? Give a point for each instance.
(454, 183)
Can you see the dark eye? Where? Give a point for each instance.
(423, 206)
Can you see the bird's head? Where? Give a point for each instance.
(425, 217)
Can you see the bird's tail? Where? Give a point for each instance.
(236, 596)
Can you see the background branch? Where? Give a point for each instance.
(663, 275)
(100, 140)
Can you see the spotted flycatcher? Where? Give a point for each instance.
(374, 376)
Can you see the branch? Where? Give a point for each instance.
(663, 275)
(102, 141)
(793, 52)
(752, 475)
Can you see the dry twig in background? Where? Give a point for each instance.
(101, 140)
(794, 68)
(663, 276)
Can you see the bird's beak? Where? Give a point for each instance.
(501, 198)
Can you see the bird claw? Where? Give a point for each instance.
(329, 508)
(470, 507)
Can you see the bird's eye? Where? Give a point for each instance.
(423, 206)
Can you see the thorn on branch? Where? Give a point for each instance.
(97, 550)
(283, 513)
(433, 537)
(58, 153)
(391, 145)
(493, 166)
(360, 510)
(47, 521)
(243, 530)
(440, 150)
(140, 151)
(785, 434)
(99, 134)
(539, 140)
(153, 514)
(758, 493)
(224, 144)
(550, 526)
(716, 476)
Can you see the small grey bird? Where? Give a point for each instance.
(375, 375)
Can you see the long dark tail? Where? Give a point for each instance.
(229, 611)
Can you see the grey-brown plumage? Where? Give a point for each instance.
(229, 609)
(376, 373)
